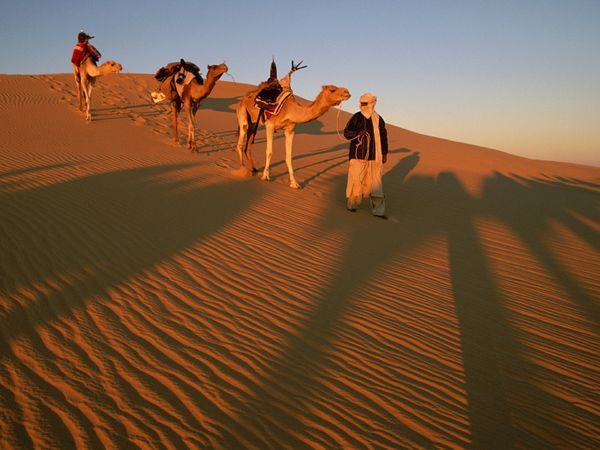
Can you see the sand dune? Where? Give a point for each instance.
(151, 299)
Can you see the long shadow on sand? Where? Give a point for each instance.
(530, 206)
(338, 160)
(70, 243)
(220, 104)
(90, 235)
(506, 405)
(151, 110)
(102, 228)
(305, 356)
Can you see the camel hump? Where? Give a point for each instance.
(190, 67)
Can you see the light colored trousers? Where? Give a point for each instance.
(364, 179)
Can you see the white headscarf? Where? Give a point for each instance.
(370, 100)
(368, 111)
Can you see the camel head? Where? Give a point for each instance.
(335, 95)
(112, 67)
(216, 71)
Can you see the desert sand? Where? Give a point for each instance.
(151, 299)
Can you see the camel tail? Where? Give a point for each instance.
(251, 125)
(252, 129)
(248, 132)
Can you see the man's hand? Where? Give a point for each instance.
(384, 159)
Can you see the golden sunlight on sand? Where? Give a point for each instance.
(152, 297)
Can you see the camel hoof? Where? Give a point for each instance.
(295, 185)
(265, 177)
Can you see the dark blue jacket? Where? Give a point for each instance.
(358, 150)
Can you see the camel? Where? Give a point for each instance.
(291, 113)
(85, 77)
(193, 93)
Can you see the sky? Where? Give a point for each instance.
(522, 76)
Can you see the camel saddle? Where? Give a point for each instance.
(272, 107)
(181, 74)
(176, 67)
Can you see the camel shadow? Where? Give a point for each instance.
(336, 161)
(309, 347)
(529, 207)
(314, 127)
(576, 181)
(120, 224)
(226, 105)
(116, 112)
(117, 108)
(322, 151)
(75, 244)
(502, 385)
(6, 184)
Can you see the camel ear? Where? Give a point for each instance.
(325, 87)
(207, 67)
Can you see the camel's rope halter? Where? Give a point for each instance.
(231, 76)
(358, 137)
(337, 124)
(337, 130)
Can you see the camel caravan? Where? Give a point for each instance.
(272, 102)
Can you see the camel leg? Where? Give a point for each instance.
(78, 84)
(289, 139)
(191, 133)
(249, 149)
(251, 137)
(175, 112)
(246, 133)
(270, 129)
(87, 90)
(81, 96)
(243, 130)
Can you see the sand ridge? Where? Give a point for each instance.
(149, 298)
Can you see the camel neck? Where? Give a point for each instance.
(211, 81)
(316, 109)
(103, 69)
(200, 91)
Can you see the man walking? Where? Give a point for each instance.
(368, 151)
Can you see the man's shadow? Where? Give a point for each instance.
(310, 347)
(501, 384)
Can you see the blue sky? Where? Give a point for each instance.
(519, 76)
